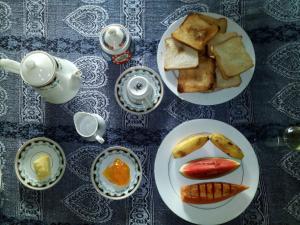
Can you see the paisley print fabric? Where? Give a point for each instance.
(285, 61)
(5, 13)
(70, 30)
(283, 10)
(87, 20)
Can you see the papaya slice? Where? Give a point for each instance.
(210, 192)
(208, 168)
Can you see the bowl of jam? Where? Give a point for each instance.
(116, 173)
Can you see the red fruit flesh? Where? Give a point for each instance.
(208, 168)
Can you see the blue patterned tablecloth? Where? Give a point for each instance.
(68, 29)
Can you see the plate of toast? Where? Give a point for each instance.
(206, 58)
(206, 171)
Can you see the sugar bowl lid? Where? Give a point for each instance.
(138, 88)
(38, 68)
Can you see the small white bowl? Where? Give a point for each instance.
(106, 158)
(27, 154)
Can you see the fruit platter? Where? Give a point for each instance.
(212, 171)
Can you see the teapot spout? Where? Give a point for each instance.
(76, 80)
(10, 65)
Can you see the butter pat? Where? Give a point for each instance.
(42, 166)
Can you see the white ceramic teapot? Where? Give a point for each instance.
(56, 80)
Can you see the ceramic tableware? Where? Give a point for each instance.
(26, 155)
(169, 180)
(115, 40)
(139, 90)
(90, 126)
(210, 98)
(106, 188)
(56, 80)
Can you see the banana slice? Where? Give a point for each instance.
(226, 145)
(189, 144)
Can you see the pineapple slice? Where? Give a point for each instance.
(42, 166)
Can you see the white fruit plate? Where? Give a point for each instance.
(169, 180)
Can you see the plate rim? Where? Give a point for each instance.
(238, 91)
(196, 220)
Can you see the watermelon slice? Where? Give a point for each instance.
(208, 168)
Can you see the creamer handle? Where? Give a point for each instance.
(10, 65)
(99, 139)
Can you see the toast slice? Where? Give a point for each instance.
(179, 56)
(195, 31)
(200, 79)
(232, 57)
(222, 83)
(217, 39)
(221, 22)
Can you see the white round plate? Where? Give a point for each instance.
(211, 98)
(169, 180)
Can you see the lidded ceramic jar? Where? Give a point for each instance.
(115, 40)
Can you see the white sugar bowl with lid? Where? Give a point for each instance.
(56, 80)
(139, 90)
(115, 40)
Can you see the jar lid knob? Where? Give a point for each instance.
(114, 37)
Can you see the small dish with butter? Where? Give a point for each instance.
(40, 163)
(116, 173)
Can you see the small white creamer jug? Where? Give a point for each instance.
(56, 80)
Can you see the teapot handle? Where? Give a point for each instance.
(10, 65)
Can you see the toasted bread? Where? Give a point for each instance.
(232, 57)
(179, 56)
(222, 83)
(221, 22)
(202, 52)
(195, 32)
(219, 38)
(200, 79)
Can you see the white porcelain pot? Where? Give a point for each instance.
(56, 80)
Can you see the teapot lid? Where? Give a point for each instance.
(37, 68)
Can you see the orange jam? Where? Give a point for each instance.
(118, 173)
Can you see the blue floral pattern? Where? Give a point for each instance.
(70, 30)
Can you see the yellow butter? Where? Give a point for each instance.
(42, 166)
